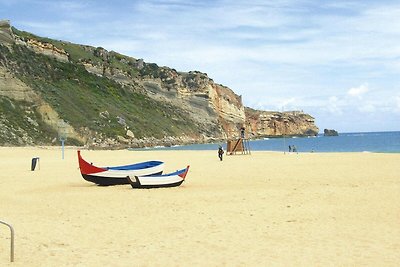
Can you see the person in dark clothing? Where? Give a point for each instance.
(220, 153)
(242, 132)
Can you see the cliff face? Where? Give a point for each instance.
(267, 123)
(21, 97)
(135, 103)
(214, 106)
(6, 35)
(206, 102)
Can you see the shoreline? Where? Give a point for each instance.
(168, 149)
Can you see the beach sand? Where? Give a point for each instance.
(263, 209)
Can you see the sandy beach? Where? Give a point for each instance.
(263, 209)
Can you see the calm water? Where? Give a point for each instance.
(388, 142)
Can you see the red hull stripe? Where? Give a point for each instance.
(87, 168)
(183, 175)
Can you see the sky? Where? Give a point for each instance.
(338, 61)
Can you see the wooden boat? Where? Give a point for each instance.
(117, 175)
(159, 180)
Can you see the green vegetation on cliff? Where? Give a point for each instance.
(87, 101)
(20, 123)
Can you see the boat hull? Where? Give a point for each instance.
(159, 180)
(107, 181)
(137, 184)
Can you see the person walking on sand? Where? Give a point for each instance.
(220, 153)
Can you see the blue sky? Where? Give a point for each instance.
(336, 60)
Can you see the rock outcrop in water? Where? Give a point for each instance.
(330, 132)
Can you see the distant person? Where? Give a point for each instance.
(290, 148)
(294, 149)
(242, 132)
(220, 153)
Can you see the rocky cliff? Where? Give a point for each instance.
(330, 132)
(290, 123)
(6, 35)
(105, 99)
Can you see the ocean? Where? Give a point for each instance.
(381, 142)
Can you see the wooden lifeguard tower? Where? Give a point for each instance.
(240, 145)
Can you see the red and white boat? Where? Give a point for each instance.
(118, 174)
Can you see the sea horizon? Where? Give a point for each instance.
(378, 142)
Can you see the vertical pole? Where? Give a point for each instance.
(284, 144)
(12, 245)
(12, 240)
(284, 131)
(62, 144)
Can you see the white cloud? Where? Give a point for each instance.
(358, 91)
(334, 105)
(367, 108)
(287, 103)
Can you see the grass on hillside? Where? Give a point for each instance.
(80, 97)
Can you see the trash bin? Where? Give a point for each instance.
(34, 162)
